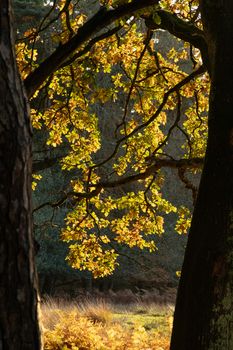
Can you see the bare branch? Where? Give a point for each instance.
(78, 196)
(188, 184)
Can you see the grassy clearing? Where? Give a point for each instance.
(102, 325)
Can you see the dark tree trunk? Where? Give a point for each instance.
(204, 309)
(19, 328)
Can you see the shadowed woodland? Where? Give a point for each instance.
(116, 174)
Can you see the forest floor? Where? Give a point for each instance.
(100, 324)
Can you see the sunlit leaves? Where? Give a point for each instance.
(184, 221)
(129, 219)
(132, 69)
(36, 119)
(91, 256)
(36, 178)
(195, 122)
(183, 8)
(26, 58)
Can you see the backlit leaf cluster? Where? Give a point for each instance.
(130, 70)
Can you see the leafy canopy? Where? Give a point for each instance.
(153, 92)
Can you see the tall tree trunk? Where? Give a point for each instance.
(204, 309)
(19, 328)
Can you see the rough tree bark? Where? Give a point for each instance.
(204, 309)
(19, 328)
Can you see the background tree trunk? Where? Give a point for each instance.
(204, 309)
(19, 328)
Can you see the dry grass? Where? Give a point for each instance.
(97, 324)
(53, 310)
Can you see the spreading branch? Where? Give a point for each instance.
(181, 29)
(98, 22)
(193, 163)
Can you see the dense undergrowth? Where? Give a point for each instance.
(100, 325)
